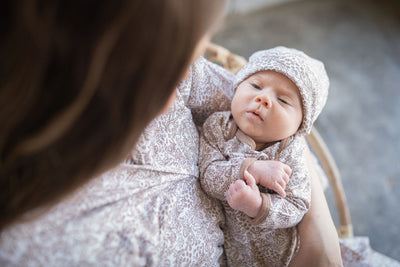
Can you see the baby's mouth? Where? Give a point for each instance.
(257, 114)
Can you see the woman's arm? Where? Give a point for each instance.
(211, 89)
(319, 242)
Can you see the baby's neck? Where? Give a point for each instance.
(262, 146)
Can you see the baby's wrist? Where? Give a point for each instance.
(246, 164)
(263, 212)
(253, 213)
(252, 170)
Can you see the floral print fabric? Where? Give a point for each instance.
(274, 241)
(150, 210)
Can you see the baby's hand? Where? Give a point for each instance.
(271, 174)
(245, 197)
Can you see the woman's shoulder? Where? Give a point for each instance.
(204, 65)
(208, 73)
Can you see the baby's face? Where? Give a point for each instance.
(267, 107)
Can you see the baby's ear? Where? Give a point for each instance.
(301, 124)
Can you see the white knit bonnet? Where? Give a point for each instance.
(307, 73)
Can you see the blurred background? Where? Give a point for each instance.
(359, 42)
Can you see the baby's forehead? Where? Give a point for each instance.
(268, 73)
(286, 83)
(272, 74)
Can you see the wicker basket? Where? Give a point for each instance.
(234, 63)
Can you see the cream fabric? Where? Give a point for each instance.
(356, 252)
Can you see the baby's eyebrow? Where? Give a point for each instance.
(257, 76)
(290, 93)
(254, 79)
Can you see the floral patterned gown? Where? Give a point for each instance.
(271, 238)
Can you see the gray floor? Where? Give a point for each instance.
(359, 41)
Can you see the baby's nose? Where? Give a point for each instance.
(264, 100)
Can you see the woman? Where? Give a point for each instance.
(82, 81)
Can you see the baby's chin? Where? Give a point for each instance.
(260, 140)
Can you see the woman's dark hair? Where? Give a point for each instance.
(79, 80)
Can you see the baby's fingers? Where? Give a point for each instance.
(229, 194)
(234, 190)
(282, 182)
(279, 189)
(287, 170)
(285, 177)
(236, 186)
(250, 180)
